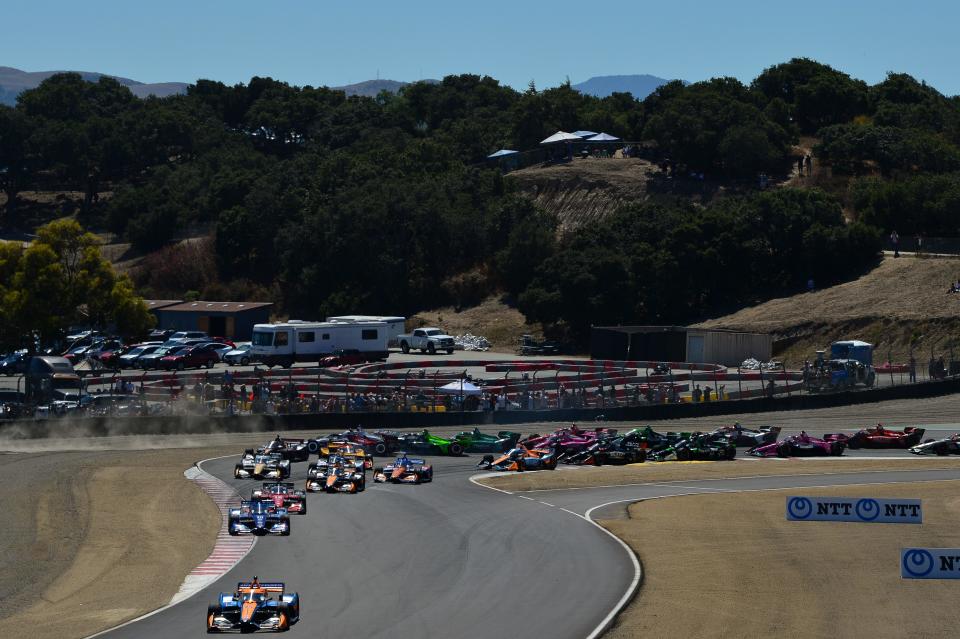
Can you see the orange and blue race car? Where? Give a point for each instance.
(520, 459)
(336, 474)
(254, 606)
(404, 470)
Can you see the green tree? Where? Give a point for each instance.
(15, 161)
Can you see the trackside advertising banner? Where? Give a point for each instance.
(866, 510)
(930, 563)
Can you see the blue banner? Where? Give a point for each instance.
(865, 510)
(930, 563)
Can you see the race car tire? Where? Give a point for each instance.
(212, 611)
(248, 451)
(836, 449)
(417, 479)
(286, 533)
(784, 450)
(683, 454)
(380, 449)
(283, 611)
(731, 453)
(303, 507)
(456, 449)
(313, 446)
(449, 351)
(853, 443)
(941, 450)
(404, 347)
(236, 471)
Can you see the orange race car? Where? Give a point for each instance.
(254, 606)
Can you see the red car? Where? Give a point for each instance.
(879, 437)
(194, 357)
(283, 495)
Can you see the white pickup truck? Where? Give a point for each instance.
(428, 340)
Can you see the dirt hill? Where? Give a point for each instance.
(899, 301)
(586, 189)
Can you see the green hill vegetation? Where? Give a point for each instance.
(327, 204)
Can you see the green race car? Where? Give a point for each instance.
(476, 442)
(424, 442)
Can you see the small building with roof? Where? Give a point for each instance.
(233, 320)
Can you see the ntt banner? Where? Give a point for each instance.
(879, 511)
(930, 563)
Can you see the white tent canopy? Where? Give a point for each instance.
(463, 387)
(561, 136)
(603, 137)
(584, 134)
(502, 153)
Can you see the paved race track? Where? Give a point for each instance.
(454, 559)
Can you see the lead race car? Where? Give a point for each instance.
(404, 470)
(262, 466)
(743, 436)
(283, 495)
(879, 437)
(258, 518)
(802, 445)
(947, 446)
(295, 450)
(254, 606)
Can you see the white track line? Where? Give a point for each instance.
(188, 589)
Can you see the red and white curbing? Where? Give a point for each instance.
(228, 550)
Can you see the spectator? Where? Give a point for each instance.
(913, 369)
(808, 162)
(919, 243)
(697, 394)
(810, 285)
(706, 393)
(895, 241)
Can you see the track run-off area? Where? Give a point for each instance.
(456, 558)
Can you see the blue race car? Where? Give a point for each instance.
(259, 518)
(254, 606)
(404, 470)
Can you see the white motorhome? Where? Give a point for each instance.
(395, 325)
(300, 341)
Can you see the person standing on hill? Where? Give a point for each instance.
(800, 166)
(808, 161)
(895, 240)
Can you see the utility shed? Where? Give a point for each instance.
(678, 344)
(233, 320)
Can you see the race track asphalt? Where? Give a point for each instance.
(454, 559)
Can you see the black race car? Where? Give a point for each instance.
(947, 446)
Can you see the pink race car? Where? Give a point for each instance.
(801, 445)
(566, 439)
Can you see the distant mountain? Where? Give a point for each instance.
(372, 88)
(603, 85)
(14, 81)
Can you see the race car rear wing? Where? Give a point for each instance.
(245, 586)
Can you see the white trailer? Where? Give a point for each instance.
(300, 341)
(395, 325)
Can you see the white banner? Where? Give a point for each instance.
(865, 510)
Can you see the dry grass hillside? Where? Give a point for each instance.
(493, 319)
(898, 301)
(586, 189)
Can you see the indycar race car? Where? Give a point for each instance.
(801, 445)
(262, 466)
(621, 449)
(697, 447)
(296, 450)
(476, 442)
(947, 446)
(353, 452)
(424, 442)
(879, 437)
(258, 518)
(379, 443)
(405, 470)
(521, 459)
(337, 475)
(748, 436)
(283, 495)
(254, 606)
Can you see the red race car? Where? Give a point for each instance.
(879, 437)
(283, 495)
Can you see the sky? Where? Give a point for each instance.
(336, 42)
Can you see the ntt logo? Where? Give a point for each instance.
(864, 510)
(917, 562)
(799, 507)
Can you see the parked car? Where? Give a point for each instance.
(191, 357)
(14, 363)
(239, 356)
(130, 358)
(160, 335)
(181, 336)
(428, 340)
(152, 360)
(220, 349)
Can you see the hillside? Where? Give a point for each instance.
(586, 189)
(897, 300)
(14, 81)
(372, 88)
(603, 85)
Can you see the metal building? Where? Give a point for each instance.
(678, 344)
(233, 320)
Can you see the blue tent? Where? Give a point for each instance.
(603, 137)
(502, 153)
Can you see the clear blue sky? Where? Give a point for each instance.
(335, 42)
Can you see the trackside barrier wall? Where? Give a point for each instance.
(172, 425)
